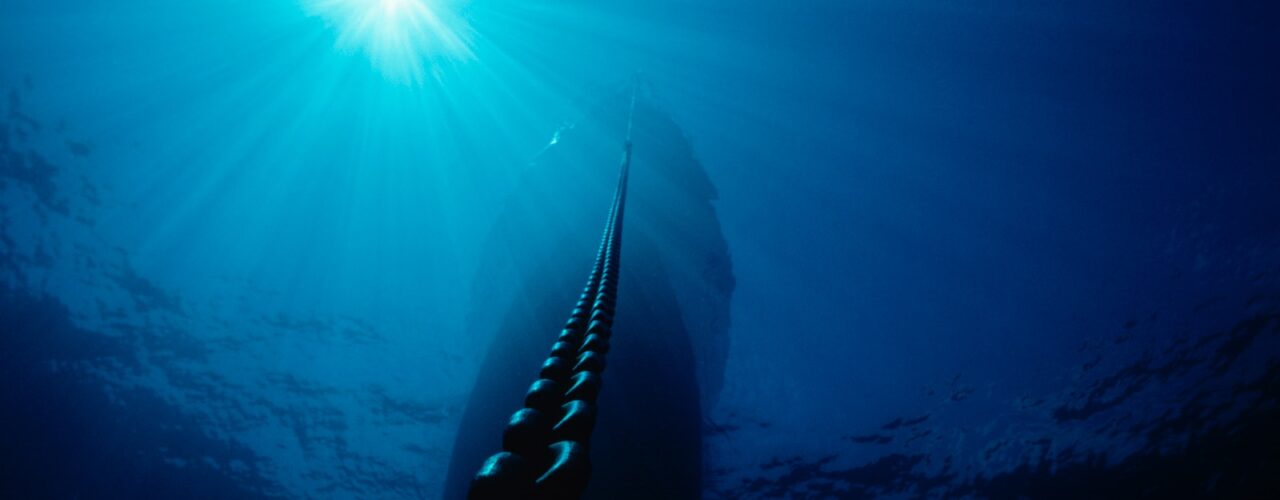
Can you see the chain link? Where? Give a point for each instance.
(545, 443)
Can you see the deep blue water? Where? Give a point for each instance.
(990, 249)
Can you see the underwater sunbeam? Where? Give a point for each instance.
(405, 40)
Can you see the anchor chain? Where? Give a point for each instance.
(545, 444)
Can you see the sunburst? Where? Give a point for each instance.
(406, 40)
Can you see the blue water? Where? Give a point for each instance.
(974, 249)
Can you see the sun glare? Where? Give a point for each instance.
(406, 40)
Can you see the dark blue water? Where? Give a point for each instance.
(882, 249)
